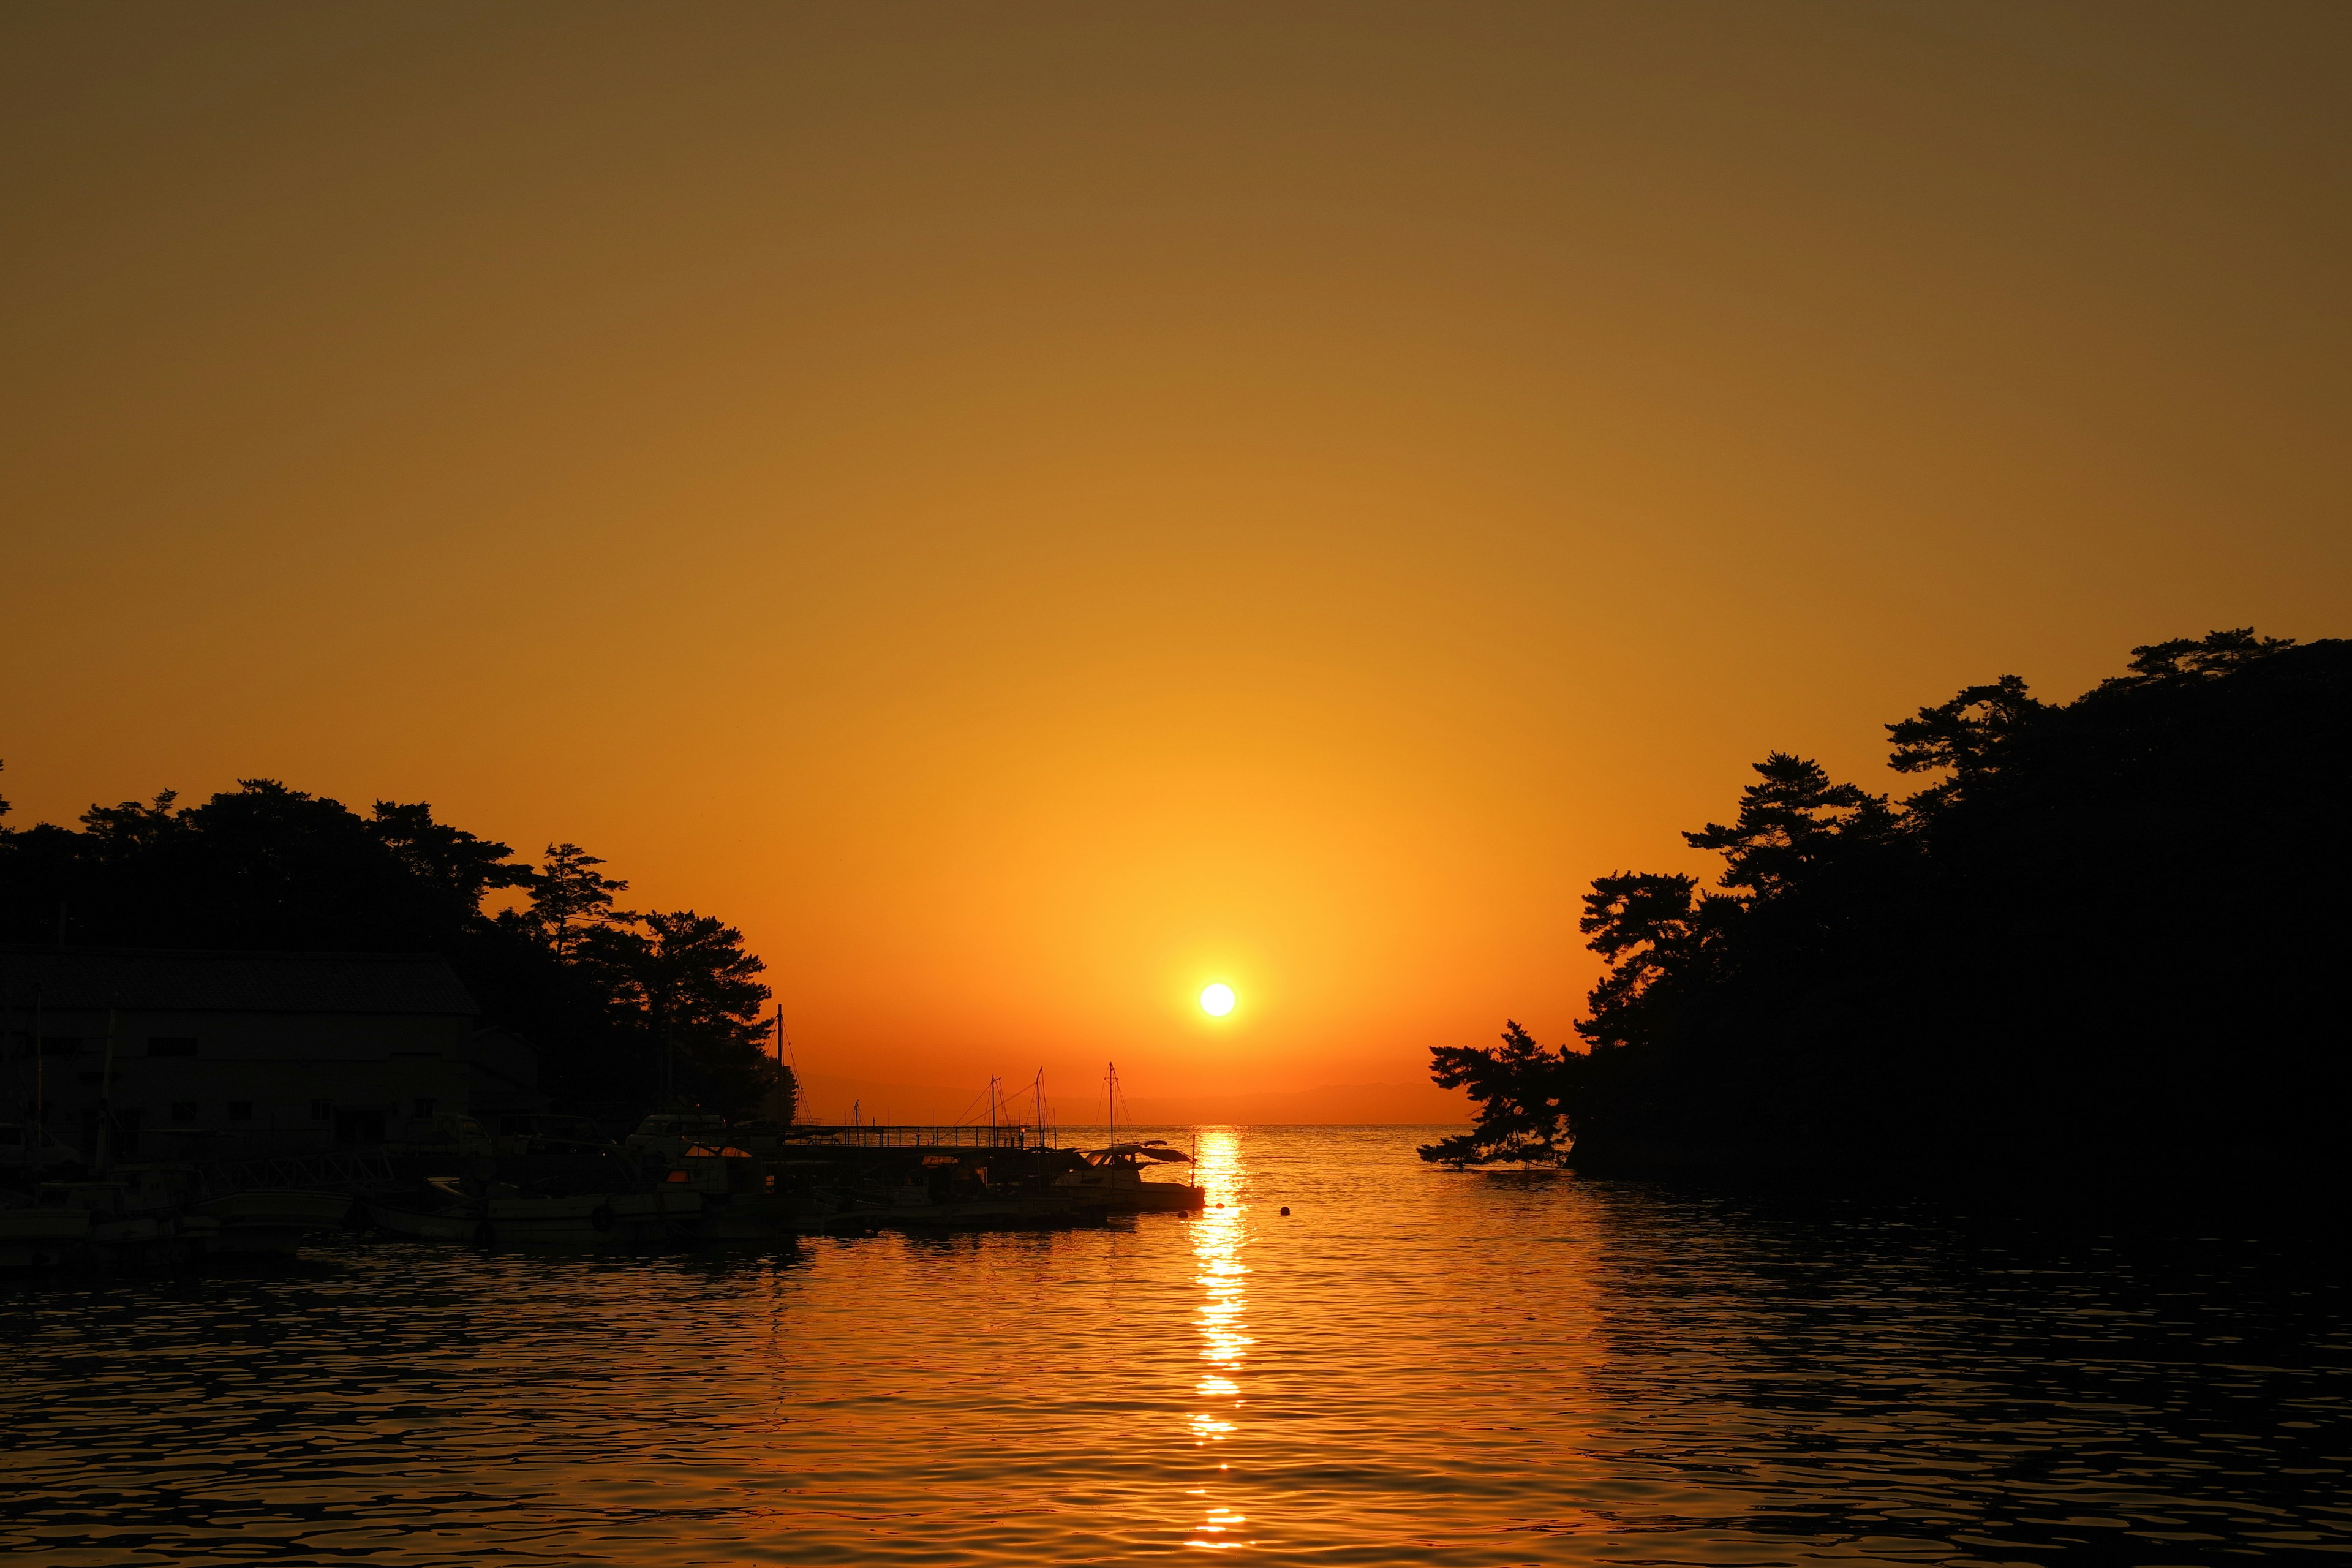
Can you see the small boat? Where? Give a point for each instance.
(38, 1234)
(272, 1220)
(507, 1215)
(1112, 1178)
(101, 1222)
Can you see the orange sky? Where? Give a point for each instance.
(1029, 509)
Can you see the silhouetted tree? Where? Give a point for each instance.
(570, 898)
(265, 865)
(1788, 823)
(2196, 658)
(2106, 931)
(1522, 1092)
(689, 981)
(458, 866)
(1966, 737)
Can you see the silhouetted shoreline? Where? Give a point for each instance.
(2107, 944)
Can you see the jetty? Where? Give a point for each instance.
(676, 1178)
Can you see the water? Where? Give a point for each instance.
(1417, 1365)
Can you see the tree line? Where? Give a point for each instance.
(2108, 933)
(626, 1008)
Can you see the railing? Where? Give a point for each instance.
(318, 1172)
(876, 1137)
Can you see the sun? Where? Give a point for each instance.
(1217, 1000)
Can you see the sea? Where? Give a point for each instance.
(1410, 1365)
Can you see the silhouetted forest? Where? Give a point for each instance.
(625, 1009)
(2111, 933)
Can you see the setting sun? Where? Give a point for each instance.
(1217, 1000)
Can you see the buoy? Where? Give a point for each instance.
(1285, 1211)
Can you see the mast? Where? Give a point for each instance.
(40, 1085)
(106, 1139)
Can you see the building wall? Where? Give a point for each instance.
(251, 1083)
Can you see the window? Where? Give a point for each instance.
(171, 1045)
(240, 1111)
(321, 1111)
(424, 1105)
(184, 1111)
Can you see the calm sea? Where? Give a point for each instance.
(1415, 1366)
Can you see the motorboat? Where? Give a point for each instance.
(1112, 1177)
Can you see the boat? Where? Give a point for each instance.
(272, 1220)
(1112, 1177)
(763, 1179)
(36, 1236)
(134, 1219)
(507, 1215)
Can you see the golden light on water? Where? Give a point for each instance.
(1218, 1239)
(1217, 1000)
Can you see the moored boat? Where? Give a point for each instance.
(138, 1218)
(504, 1216)
(272, 1220)
(36, 1234)
(1112, 1178)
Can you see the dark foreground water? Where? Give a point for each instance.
(1417, 1366)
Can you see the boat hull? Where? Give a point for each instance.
(568, 1220)
(37, 1237)
(275, 1221)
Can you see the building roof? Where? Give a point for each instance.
(160, 980)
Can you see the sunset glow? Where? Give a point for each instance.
(668, 666)
(827, 467)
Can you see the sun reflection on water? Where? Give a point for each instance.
(1217, 1243)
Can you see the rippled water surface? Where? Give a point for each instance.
(1417, 1365)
